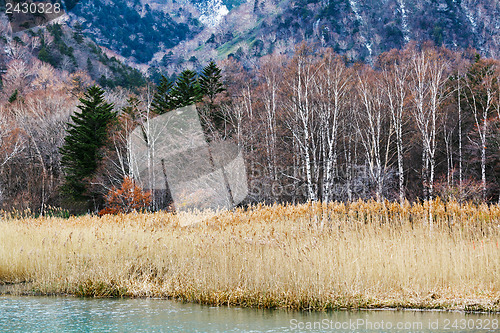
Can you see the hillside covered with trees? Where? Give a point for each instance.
(417, 123)
(171, 35)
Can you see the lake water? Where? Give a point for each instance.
(59, 314)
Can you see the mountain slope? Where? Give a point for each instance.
(360, 29)
(67, 51)
(135, 30)
(172, 34)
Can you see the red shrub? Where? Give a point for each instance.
(127, 198)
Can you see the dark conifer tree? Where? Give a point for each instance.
(78, 33)
(210, 81)
(86, 136)
(44, 55)
(187, 90)
(211, 85)
(14, 96)
(162, 100)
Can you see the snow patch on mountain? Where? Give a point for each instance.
(404, 21)
(469, 15)
(355, 8)
(212, 12)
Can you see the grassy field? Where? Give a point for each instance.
(312, 256)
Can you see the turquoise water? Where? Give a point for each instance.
(58, 314)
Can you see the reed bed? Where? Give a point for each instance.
(311, 256)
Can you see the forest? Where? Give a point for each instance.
(419, 123)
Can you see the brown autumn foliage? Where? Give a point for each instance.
(129, 197)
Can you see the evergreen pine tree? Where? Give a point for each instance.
(86, 136)
(162, 101)
(44, 55)
(14, 96)
(186, 91)
(211, 85)
(78, 34)
(210, 81)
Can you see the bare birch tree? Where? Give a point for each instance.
(370, 120)
(300, 111)
(395, 80)
(427, 85)
(271, 75)
(479, 86)
(334, 82)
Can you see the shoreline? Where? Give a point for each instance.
(473, 308)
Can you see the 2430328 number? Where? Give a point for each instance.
(33, 8)
(471, 324)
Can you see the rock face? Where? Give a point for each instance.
(364, 28)
(361, 29)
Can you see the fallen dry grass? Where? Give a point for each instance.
(312, 256)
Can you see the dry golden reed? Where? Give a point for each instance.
(311, 256)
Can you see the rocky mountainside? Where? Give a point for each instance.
(196, 30)
(67, 51)
(133, 29)
(171, 35)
